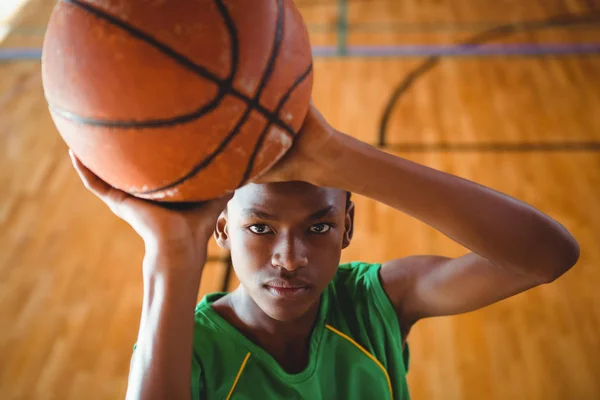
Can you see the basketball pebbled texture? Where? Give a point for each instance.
(177, 101)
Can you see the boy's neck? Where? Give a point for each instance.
(287, 342)
(257, 321)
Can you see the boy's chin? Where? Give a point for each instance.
(287, 312)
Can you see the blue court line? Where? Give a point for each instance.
(20, 54)
(516, 49)
(401, 51)
(369, 27)
(427, 27)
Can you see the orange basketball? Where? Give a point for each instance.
(177, 100)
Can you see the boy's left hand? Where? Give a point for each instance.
(304, 161)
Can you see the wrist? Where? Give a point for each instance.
(331, 160)
(174, 257)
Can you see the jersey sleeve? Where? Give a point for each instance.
(385, 306)
(362, 280)
(197, 378)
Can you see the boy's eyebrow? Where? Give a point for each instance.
(330, 210)
(257, 213)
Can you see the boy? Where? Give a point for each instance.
(299, 326)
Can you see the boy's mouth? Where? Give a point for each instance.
(287, 292)
(287, 288)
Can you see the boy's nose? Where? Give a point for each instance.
(290, 254)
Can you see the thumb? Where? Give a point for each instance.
(210, 212)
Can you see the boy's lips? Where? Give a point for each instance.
(287, 283)
(286, 288)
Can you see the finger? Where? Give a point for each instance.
(226, 197)
(223, 200)
(217, 205)
(89, 179)
(113, 198)
(195, 206)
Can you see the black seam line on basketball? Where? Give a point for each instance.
(263, 135)
(477, 39)
(204, 163)
(183, 61)
(274, 118)
(156, 123)
(233, 35)
(166, 122)
(277, 37)
(138, 34)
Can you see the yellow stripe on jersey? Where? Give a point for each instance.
(238, 375)
(348, 338)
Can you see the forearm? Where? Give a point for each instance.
(500, 228)
(161, 366)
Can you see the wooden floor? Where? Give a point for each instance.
(70, 274)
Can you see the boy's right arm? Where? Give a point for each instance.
(176, 240)
(161, 363)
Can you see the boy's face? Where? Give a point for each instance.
(285, 241)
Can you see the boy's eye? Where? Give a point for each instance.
(320, 228)
(260, 229)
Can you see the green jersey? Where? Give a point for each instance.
(355, 349)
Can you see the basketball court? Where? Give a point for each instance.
(503, 93)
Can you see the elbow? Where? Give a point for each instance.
(564, 257)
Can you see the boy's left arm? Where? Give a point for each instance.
(428, 286)
(513, 246)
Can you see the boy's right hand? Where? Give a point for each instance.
(315, 143)
(181, 228)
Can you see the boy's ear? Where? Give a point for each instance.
(348, 225)
(221, 235)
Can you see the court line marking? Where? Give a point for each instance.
(426, 27)
(342, 28)
(494, 147)
(361, 27)
(494, 49)
(402, 51)
(480, 40)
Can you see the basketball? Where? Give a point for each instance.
(177, 100)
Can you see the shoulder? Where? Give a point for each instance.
(380, 286)
(356, 274)
(356, 293)
(360, 308)
(213, 335)
(218, 350)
